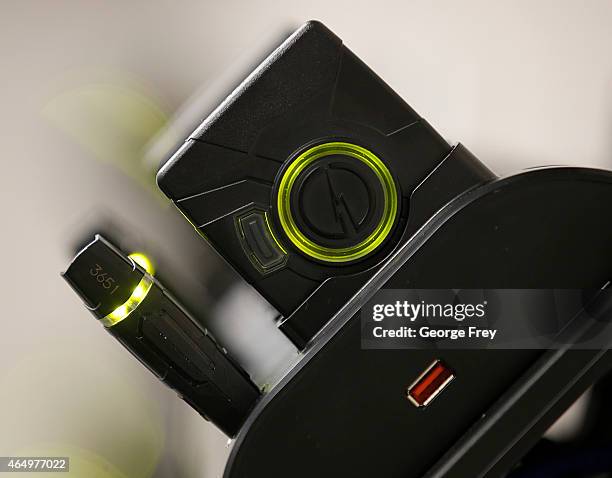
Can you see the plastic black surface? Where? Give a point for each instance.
(167, 340)
(102, 277)
(337, 201)
(342, 411)
(311, 90)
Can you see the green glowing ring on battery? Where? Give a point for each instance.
(138, 294)
(328, 254)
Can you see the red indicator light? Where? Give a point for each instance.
(429, 384)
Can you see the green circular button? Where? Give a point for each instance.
(337, 202)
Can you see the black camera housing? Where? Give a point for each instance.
(312, 90)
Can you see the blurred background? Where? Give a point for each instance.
(95, 94)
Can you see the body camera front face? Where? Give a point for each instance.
(302, 178)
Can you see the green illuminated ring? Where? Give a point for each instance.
(318, 251)
(138, 295)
